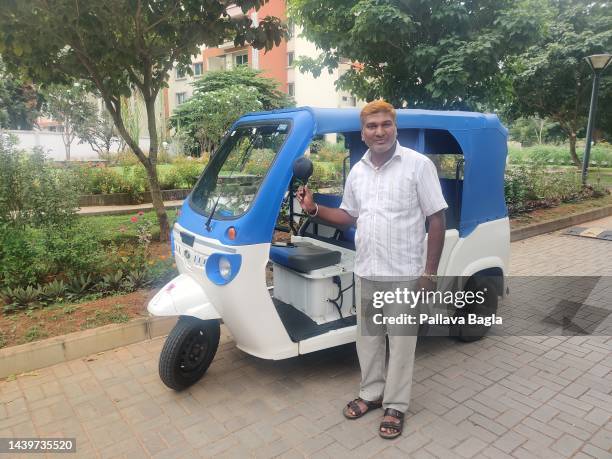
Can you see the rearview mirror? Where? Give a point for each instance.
(302, 169)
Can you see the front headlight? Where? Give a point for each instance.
(225, 268)
(222, 268)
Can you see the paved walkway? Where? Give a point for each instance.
(122, 210)
(501, 397)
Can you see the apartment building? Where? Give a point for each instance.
(276, 63)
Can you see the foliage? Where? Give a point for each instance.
(219, 99)
(33, 191)
(534, 130)
(435, 54)
(55, 291)
(21, 298)
(551, 79)
(79, 285)
(121, 47)
(69, 106)
(266, 88)
(20, 102)
(100, 133)
(601, 154)
(528, 187)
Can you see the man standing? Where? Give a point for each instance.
(388, 195)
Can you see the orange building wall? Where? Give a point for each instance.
(274, 62)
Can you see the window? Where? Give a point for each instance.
(180, 73)
(291, 89)
(180, 98)
(290, 56)
(237, 169)
(198, 67)
(241, 59)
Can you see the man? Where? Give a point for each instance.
(388, 195)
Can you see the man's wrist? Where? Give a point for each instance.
(314, 213)
(431, 276)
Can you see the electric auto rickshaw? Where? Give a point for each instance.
(222, 240)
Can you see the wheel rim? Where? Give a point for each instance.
(194, 352)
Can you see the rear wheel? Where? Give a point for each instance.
(188, 351)
(473, 332)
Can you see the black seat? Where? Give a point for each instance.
(304, 256)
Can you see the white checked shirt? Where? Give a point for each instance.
(391, 203)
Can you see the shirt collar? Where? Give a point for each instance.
(367, 157)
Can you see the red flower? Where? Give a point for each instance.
(134, 219)
(140, 212)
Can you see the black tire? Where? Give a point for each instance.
(469, 333)
(188, 351)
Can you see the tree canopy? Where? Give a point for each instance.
(20, 102)
(421, 54)
(121, 46)
(69, 105)
(553, 80)
(219, 99)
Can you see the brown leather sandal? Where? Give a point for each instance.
(395, 426)
(355, 408)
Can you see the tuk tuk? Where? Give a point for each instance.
(222, 240)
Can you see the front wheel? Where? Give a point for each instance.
(473, 332)
(188, 351)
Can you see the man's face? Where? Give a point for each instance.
(379, 132)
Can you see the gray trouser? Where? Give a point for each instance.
(394, 386)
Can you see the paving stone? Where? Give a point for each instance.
(470, 447)
(567, 445)
(509, 441)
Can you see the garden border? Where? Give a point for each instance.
(51, 351)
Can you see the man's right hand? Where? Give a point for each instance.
(306, 200)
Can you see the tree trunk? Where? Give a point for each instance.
(158, 203)
(156, 197)
(572, 142)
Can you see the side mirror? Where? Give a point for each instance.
(302, 169)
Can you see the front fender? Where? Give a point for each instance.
(182, 296)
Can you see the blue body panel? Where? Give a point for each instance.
(481, 138)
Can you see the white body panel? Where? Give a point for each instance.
(488, 246)
(182, 296)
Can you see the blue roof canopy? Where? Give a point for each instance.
(481, 138)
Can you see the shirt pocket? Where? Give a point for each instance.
(400, 196)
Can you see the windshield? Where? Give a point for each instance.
(236, 171)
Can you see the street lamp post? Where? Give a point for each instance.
(598, 63)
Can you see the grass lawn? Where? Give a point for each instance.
(120, 227)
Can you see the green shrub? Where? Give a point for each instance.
(105, 180)
(559, 155)
(531, 186)
(23, 257)
(189, 171)
(33, 191)
(169, 179)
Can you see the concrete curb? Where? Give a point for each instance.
(40, 354)
(559, 223)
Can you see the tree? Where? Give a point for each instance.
(219, 99)
(534, 130)
(69, 106)
(123, 47)
(100, 133)
(551, 79)
(20, 102)
(434, 54)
